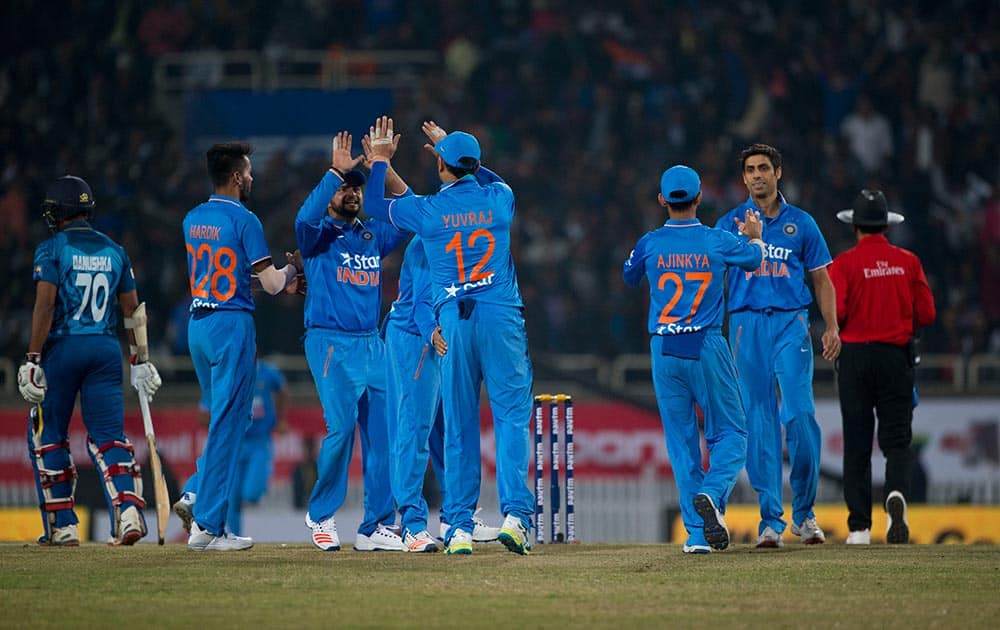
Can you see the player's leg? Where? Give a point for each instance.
(234, 514)
(435, 445)
(231, 340)
(48, 447)
(857, 401)
(112, 453)
(259, 468)
(507, 370)
(683, 439)
(794, 371)
(461, 380)
(721, 402)
(339, 384)
(750, 339)
(413, 392)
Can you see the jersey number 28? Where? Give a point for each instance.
(219, 265)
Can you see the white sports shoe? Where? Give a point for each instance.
(131, 527)
(198, 539)
(419, 543)
(460, 543)
(324, 533)
(382, 539)
(898, 532)
(769, 539)
(716, 532)
(229, 542)
(809, 532)
(514, 535)
(62, 537)
(860, 537)
(184, 509)
(483, 533)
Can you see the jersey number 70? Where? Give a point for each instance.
(703, 277)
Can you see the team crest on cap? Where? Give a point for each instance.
(789, 229)
(84, 198)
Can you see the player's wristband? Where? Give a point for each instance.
(33, 357)
(336, 171)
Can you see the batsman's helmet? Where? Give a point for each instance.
(66, 197)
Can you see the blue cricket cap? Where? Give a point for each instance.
(459, 149)
(354, 178)
(680, 184)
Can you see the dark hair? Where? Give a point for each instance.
(226, 158)
(761, 149)
(872, 229)
(460, 172)
(681, 206)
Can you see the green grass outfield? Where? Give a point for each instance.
(587, 585)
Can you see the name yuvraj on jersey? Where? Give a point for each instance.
(466, 219)
(91, 263)
(773, 263)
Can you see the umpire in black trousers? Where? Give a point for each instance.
(882, 297)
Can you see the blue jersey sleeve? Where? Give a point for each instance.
(127, 282)
(815, 253)
(253, 239)
(485, 176)
(311, 222)
(46, 265)
(635, 265)
(389, 236)
(736, 251)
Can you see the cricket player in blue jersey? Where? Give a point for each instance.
(685, 263)
(769, 333)
(225, 244)
(465, 229)
(413, 343)
(343, 267)
(79, 274)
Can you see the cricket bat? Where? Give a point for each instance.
(159, 483)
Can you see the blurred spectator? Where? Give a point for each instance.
(579, 104)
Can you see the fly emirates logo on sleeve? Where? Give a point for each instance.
(773, 263)
(359, 270)
(883, 269)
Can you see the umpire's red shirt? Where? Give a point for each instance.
(882, 293)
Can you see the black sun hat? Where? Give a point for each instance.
(870, 210)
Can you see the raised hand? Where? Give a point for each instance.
(382, 140)
(434, 133)
(751, 226)
(342, 160)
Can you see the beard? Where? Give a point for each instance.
(244, 194)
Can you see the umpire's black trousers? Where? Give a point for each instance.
(874, 377)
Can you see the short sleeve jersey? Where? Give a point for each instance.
(89, 270)
(795, 246)
(685, 264)
(224, 241)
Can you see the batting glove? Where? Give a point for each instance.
(31, 380)
(145, 379)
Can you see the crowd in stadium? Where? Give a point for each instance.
(579, 106)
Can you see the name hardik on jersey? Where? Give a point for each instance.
(89, 271)
(224, 241)
(795, 246)
(685, 262)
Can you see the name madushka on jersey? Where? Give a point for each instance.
(685, 263)
(343, 263)
(224, 240)
(795, 246)
(465, 229)
(89, 271)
